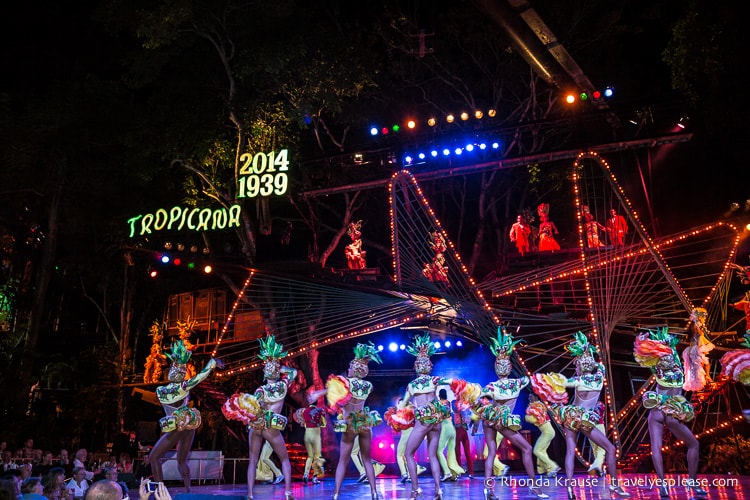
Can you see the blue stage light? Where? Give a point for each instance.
(458, 151)
(380, 347)
(495, 145)
(433, 153)
(469, 148)
(437, 345)
(447, 343)
(374, 131)
(609, 92)
(482, 146)
(408, 159)
(446, 152)
(459, 343)
(393, 347)
(421, 156)
(402, 347)
(165, 258)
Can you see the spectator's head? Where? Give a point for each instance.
(104, 489)
(38, 454)
(79, 474)
(110, 473)
(442, 394)
(29, 443)
(7, 489)
(3, 445)
(7, 456)
(64, 457)
(14, 476)
(25, 470)
(82, 455)
(47, 458)
(55, 478)
(32, 485)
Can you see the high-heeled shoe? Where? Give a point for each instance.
(438, 495)
(489, 494)
(616, 489)
(288, 495)
(304, 479)
(697, 492)
(571, 492)
(534, 490)
(335, 496)
(315, 480)
(375, 495)
(415, 494)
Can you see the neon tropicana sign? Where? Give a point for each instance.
(192, 218)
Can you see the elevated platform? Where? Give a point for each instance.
(509, 487)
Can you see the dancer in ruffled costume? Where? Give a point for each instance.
(347, 396)
(429, 412)
(447, 444)
(581, 415)
(312, 419)
(547, 230)
(536, 414)
(355, 256)
(596, 468)
(655, 349)
(181, 421)
(735, 365)
(402, 421)
(694, 357)
(260, 412)
(495, 406)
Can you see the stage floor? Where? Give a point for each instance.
(510, 487)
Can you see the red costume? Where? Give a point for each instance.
(519, 234)
(355, 256)
(617, 228)
(547, 230)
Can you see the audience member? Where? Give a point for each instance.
(8, 489)
(111, 474)
(14, 476)
(7, 461)
(125, 465)
(27, 452)
(32, 489)
(78, 483)
(25, 471)
(54, 485)
(104, 489)
(80, 461)
(160, 491)
(42, 468)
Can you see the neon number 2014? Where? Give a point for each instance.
(261, 163)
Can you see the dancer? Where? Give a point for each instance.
(348, 395)
(591, 229)
(260, 412)
(596, 467)
(267, 471)
(736, 366)
(461, 421)
(312, 419)
(697, 366)
(655, 349)
(402, 421)
(355, 256)
(494, 409)
(547, 230)
(536, 413)
(581, 415)
(448, 464)
(519, 234)
(429, 412)
(617, 228)
(744, 306)
(357, 461)
(179, 426)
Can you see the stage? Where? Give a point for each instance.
(508, 487)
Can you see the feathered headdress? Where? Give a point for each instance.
(542, 209)
(354, 230)
(270, 350)
(580, 345)
(366, 352)
(363, 353)
(179, 354)
(502, 345)
(422, 348)
(654, 344)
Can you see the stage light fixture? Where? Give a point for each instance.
(469, 148)
(411, 124)
(450, 118)
(380, 347)
(570, 98)
(464, 116)
(177, 261)
(609, 92)
(421, 156)
(437, 345)
(495, 145)
(583, 96)
(167, 245)
(152, 273)
(191, 265)
(374, 131)
(478, 114)
(446, 152)
(358, 158)
(447, 343)
(459, 343)
(596, 95)
(408, 159)
(396, 127)
(180, 247)
(683, 121)
(433, 153)
(165, 258)
(393, 347)
(482, 146)
(208, 269)
(458, 151)
(384, 131)
(402, 347)
(491, 113)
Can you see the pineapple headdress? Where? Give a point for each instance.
(502, 347)
(652, 345)
(179, 354)
(580, 346)
(422, 348)
(270, 349)
(271, 352)
(363, 353)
